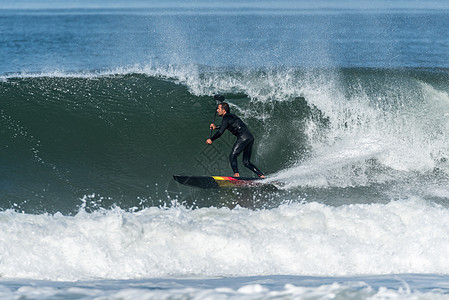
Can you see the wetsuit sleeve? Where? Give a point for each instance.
(221, 129)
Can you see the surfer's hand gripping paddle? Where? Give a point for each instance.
(218, 99)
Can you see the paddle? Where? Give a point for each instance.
(218, 99)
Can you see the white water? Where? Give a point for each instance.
(401, 129)
(408, 236)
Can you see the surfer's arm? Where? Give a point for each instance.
(220, 131)
(213, 126)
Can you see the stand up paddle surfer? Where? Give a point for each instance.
(244, 142)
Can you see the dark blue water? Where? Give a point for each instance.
(104, 39)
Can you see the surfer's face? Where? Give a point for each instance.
(220, 110)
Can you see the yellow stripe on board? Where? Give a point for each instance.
(223, 178)
(224, 181)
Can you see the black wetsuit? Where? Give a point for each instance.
(244, 142)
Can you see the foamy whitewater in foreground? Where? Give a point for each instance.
(295, 251)
(407, 236)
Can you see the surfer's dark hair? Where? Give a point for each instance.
(225, 106)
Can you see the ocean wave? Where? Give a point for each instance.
(123, 133)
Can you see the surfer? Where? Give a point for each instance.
(244, 142)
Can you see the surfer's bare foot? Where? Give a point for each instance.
(236, 175)
(262, 176)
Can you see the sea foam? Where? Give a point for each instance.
(408, 236)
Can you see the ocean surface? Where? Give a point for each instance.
(101, 103)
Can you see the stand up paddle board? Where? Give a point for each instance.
(216, 182)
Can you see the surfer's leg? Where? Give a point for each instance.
(247, 159)
(233, 160)
(238, 147)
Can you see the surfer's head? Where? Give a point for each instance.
(223, 108)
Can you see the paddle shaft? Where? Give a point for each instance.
(211, 130)
(218, 99)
